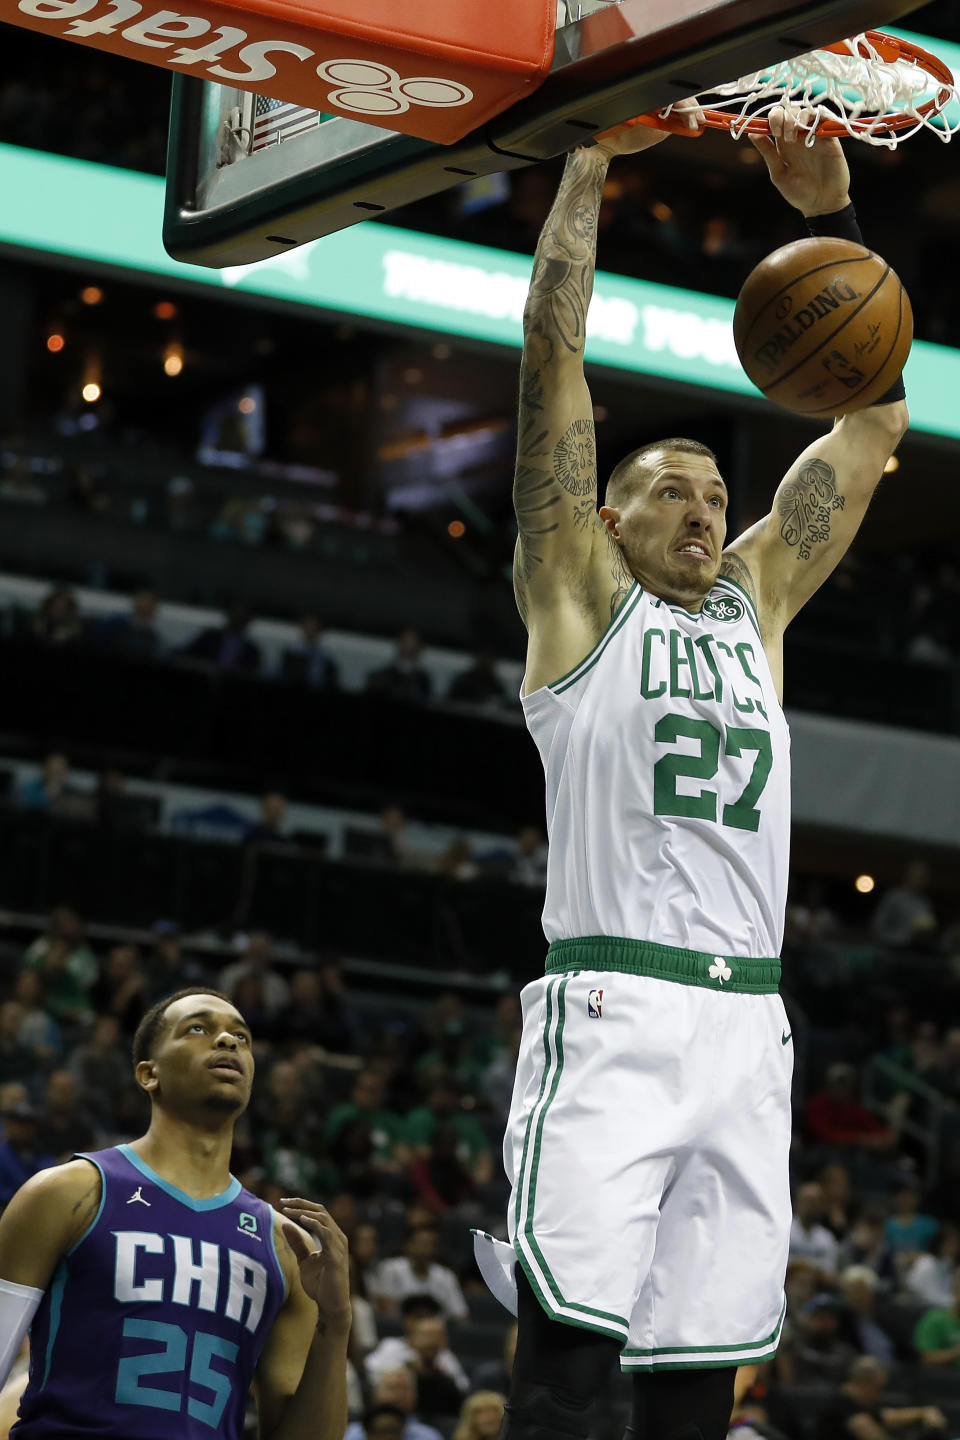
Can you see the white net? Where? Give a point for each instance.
(859, 89)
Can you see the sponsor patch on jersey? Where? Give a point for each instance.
(725, 607)
(595, 1004)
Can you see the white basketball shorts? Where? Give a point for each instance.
(647, 1149)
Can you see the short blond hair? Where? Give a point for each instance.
(471, 1405)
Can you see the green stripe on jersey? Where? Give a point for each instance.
(588, 661)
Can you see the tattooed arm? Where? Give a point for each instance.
(45, 1218)
(563, 550)
(555, 483)
(817, 510)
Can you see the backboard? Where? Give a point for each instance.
(249, 178)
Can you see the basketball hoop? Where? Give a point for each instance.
(875, 87)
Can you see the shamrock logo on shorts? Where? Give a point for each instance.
(719, 970)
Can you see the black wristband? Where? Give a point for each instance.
(841, 224)
(891, 396)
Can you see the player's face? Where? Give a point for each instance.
(204, 1056)
(673, 525)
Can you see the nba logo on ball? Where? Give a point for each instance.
(595, 1004)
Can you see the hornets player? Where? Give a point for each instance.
(648, 1137)
(156, 1288)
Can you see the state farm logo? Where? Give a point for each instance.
(362, 87)
(374, 89)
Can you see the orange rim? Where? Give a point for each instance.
(889, 47)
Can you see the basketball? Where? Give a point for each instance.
(823, 327)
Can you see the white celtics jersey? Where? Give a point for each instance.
(667, 760)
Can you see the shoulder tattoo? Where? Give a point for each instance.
(734, 569)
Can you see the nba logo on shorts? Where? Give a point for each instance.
(594, 1004)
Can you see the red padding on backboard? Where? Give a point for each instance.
(432, 68)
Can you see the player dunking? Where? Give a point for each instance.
(648, 1137)
(158, 1288)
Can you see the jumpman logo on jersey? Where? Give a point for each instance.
(137, 1198)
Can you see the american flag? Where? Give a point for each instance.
(276, 120)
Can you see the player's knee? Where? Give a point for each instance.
(540, 1412)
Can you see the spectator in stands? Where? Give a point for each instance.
(418, 1272)
(57, 620)
(834, 1116)
(364, 1252)
(101, 1069)
(855, 1409)
(495, 1374)
(168, 968)
(937, 1336)
(308, 661)
(21, 1154)
(866, 1244)
(905, 917)
(39, 1032)
(439, 1394)
(132, 633)
(834, 1180)
(456, 860)
(46, 791)
(480, 1417)
(397, 1388)
(388, 843)
(383, 1422)
(14, 1055)
(227, 646)
(479, 684)
(386, 1128)
(859, 1325)
(67, 995)
(817, 1348)
(931, 1276)
(440, 1176)
(810, 1240)
(255, 961)
(405, 678)
(318, 1011)
(269, 828)
(444, 1108)
(396, 1350)
(64, 1124)
(809, 919)
(122, 988)
(907, 1232)
(529, 865)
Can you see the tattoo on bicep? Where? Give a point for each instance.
(806, 506)
(734, 568)
(575, 458)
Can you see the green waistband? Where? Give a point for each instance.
(734, 974)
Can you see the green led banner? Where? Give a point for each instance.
(107, 216)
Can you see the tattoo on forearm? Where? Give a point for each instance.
(564, 262)
(733, 567)
(806, 506)
(555, 317)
